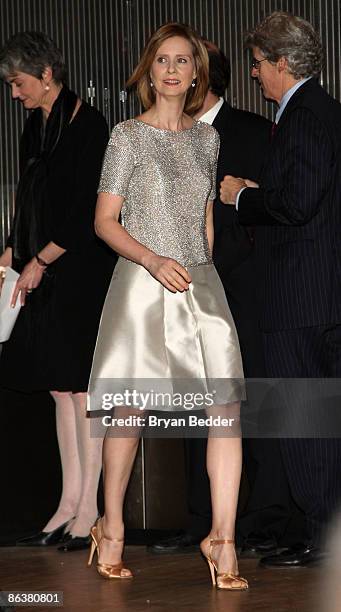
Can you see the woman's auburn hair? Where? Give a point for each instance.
(141, 75)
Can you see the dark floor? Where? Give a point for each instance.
(169, 583)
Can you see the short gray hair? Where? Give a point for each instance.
(284, 35)
(31, 52)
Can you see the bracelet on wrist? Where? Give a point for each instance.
(41, 262)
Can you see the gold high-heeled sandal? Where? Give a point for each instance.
(224, 580)
(107, 570)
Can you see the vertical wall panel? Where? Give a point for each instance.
(223, 22)
(330, 27)
(94, 38)
(102, 40)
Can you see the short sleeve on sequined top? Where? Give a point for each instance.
(118, 163)
(214, 162)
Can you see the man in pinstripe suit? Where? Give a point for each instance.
(298, 205)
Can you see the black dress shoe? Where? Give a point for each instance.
(296, 556)
(257, 547)
(183, 542)
(74, 543)
(44, 538)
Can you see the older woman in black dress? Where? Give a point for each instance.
(64, 269)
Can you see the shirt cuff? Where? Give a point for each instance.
(238, 196)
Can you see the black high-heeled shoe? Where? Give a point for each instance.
(45, 538)
(71, 543)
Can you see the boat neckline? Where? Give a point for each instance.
(195, 122)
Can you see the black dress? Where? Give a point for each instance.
(53, 340)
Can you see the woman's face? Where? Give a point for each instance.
(28, 89)
(173, 67)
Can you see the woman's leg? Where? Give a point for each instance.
(69, 456)
(90, 458)
(224, 464)
(118, 460)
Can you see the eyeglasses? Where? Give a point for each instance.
(256, 63)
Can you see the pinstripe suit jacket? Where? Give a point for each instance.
(299, 206)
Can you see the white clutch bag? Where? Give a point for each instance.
(8, 315)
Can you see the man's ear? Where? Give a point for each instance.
(282, 64)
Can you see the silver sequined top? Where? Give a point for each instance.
(166, 179)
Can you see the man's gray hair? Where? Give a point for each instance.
(284, 35)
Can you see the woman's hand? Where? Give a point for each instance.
(28, 280)
(168, 272)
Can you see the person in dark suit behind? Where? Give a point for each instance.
(298, 204)
(244, 140)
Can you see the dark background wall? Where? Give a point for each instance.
(101, 41)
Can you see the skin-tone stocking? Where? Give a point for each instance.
(69, 457)
(90, 455)
(81, 459)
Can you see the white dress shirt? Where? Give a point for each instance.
(211, 114)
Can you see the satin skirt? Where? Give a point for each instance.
(147, 333)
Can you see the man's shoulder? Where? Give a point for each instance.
(240, 114)
(313, 96)
(312, 100)
(249, 118)
(237, 120)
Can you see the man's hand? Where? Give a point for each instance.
(229, 189)
(250, 183)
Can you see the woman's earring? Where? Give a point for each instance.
(193, 83)
(151, 84)
(47, 87)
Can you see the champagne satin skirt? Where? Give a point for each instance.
(147, 332)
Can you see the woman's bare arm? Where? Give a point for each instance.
(167, 271)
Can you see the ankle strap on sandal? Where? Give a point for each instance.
(212, 542)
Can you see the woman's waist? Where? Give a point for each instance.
(205, 264)
(185, 249)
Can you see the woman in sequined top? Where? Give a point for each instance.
(166, 318)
